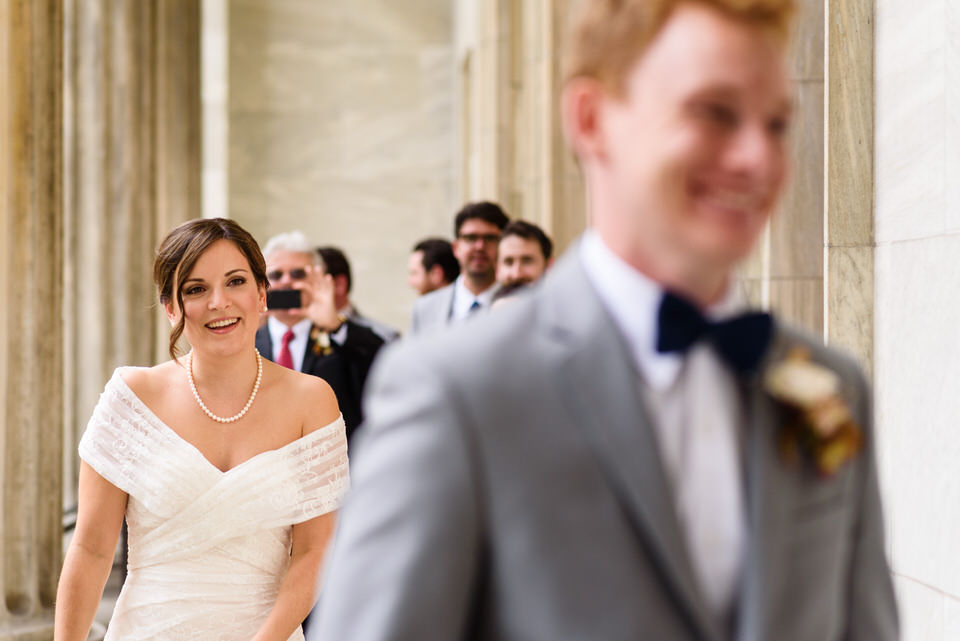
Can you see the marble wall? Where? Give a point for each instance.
(510, 140)
(917, 365)
(341, 121)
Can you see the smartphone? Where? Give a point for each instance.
(284, 299)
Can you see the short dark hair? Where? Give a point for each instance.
(484, 210)
(336, 264)
(437, 251)
(529, 231)
(182, 248)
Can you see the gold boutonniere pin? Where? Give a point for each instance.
(321, 342)
(821, 427)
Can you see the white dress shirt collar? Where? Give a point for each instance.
(298, 346)
(463, 299)
(633, 300)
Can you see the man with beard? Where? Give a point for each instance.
(477, 230)
(524, 254)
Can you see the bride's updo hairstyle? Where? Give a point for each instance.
(181, 249)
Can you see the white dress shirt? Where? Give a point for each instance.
(696, 410)
(463, 300)
(298, 346)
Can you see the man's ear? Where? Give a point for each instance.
(582, 105)
(435, 276)
(340, 285)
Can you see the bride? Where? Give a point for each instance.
(227, 467)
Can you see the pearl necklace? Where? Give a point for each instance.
(206, 410)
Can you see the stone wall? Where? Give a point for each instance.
(341, 125)
(916, 305)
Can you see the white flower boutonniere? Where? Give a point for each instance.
(820, 428)
(321, 342)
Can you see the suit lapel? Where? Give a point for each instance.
(601, 387)
(769, 495)
(310, 358)
(444, 309)
(263, 343)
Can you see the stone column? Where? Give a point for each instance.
(850, 241)
(547, 171)
(132, 172)
(30, 320)
(513, 145)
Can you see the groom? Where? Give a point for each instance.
(626, 454)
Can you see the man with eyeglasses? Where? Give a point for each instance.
(477, 230)
(314, 338)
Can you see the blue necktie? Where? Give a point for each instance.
(741, 341)
(473, 308)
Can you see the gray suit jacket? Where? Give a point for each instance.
(507, 485)
(432, 311)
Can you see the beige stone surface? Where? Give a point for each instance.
(132, 172)
(342, 126)
(849, 172)
(850, 278)
(796, 230)
(850, 123)
(800, 300)
(30, 214)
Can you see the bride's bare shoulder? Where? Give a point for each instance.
(312, 396)
(146, 382)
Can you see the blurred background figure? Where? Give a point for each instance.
(336, 264)
(477, 229)
(507, 294)
(524, 254)
(314, 338)
(432, 265)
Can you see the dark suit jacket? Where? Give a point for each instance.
(345, 368)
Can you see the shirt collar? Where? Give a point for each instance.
(633, 300)
(463, 298)
(277, 329)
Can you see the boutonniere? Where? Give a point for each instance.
(820, 427)
(321, 342)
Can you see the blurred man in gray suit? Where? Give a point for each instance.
(626, 453)
(476, 229)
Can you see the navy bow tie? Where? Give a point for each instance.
(741, 341)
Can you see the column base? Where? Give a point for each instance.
(38, 628)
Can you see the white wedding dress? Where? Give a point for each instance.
(207, 549)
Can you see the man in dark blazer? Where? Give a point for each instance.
(315, 339)
(626, 453)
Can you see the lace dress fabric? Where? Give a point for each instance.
(207, 549)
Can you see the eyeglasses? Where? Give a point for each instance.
(488, 239)
(297, 273)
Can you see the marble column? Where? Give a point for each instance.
(512, 143)
(549, 180)
(785, 272)
(850, 241)
(30, 320)
(132, 167)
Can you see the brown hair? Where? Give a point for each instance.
(181, 249)
(608, 36)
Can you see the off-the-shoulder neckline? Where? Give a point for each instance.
(126, 390)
